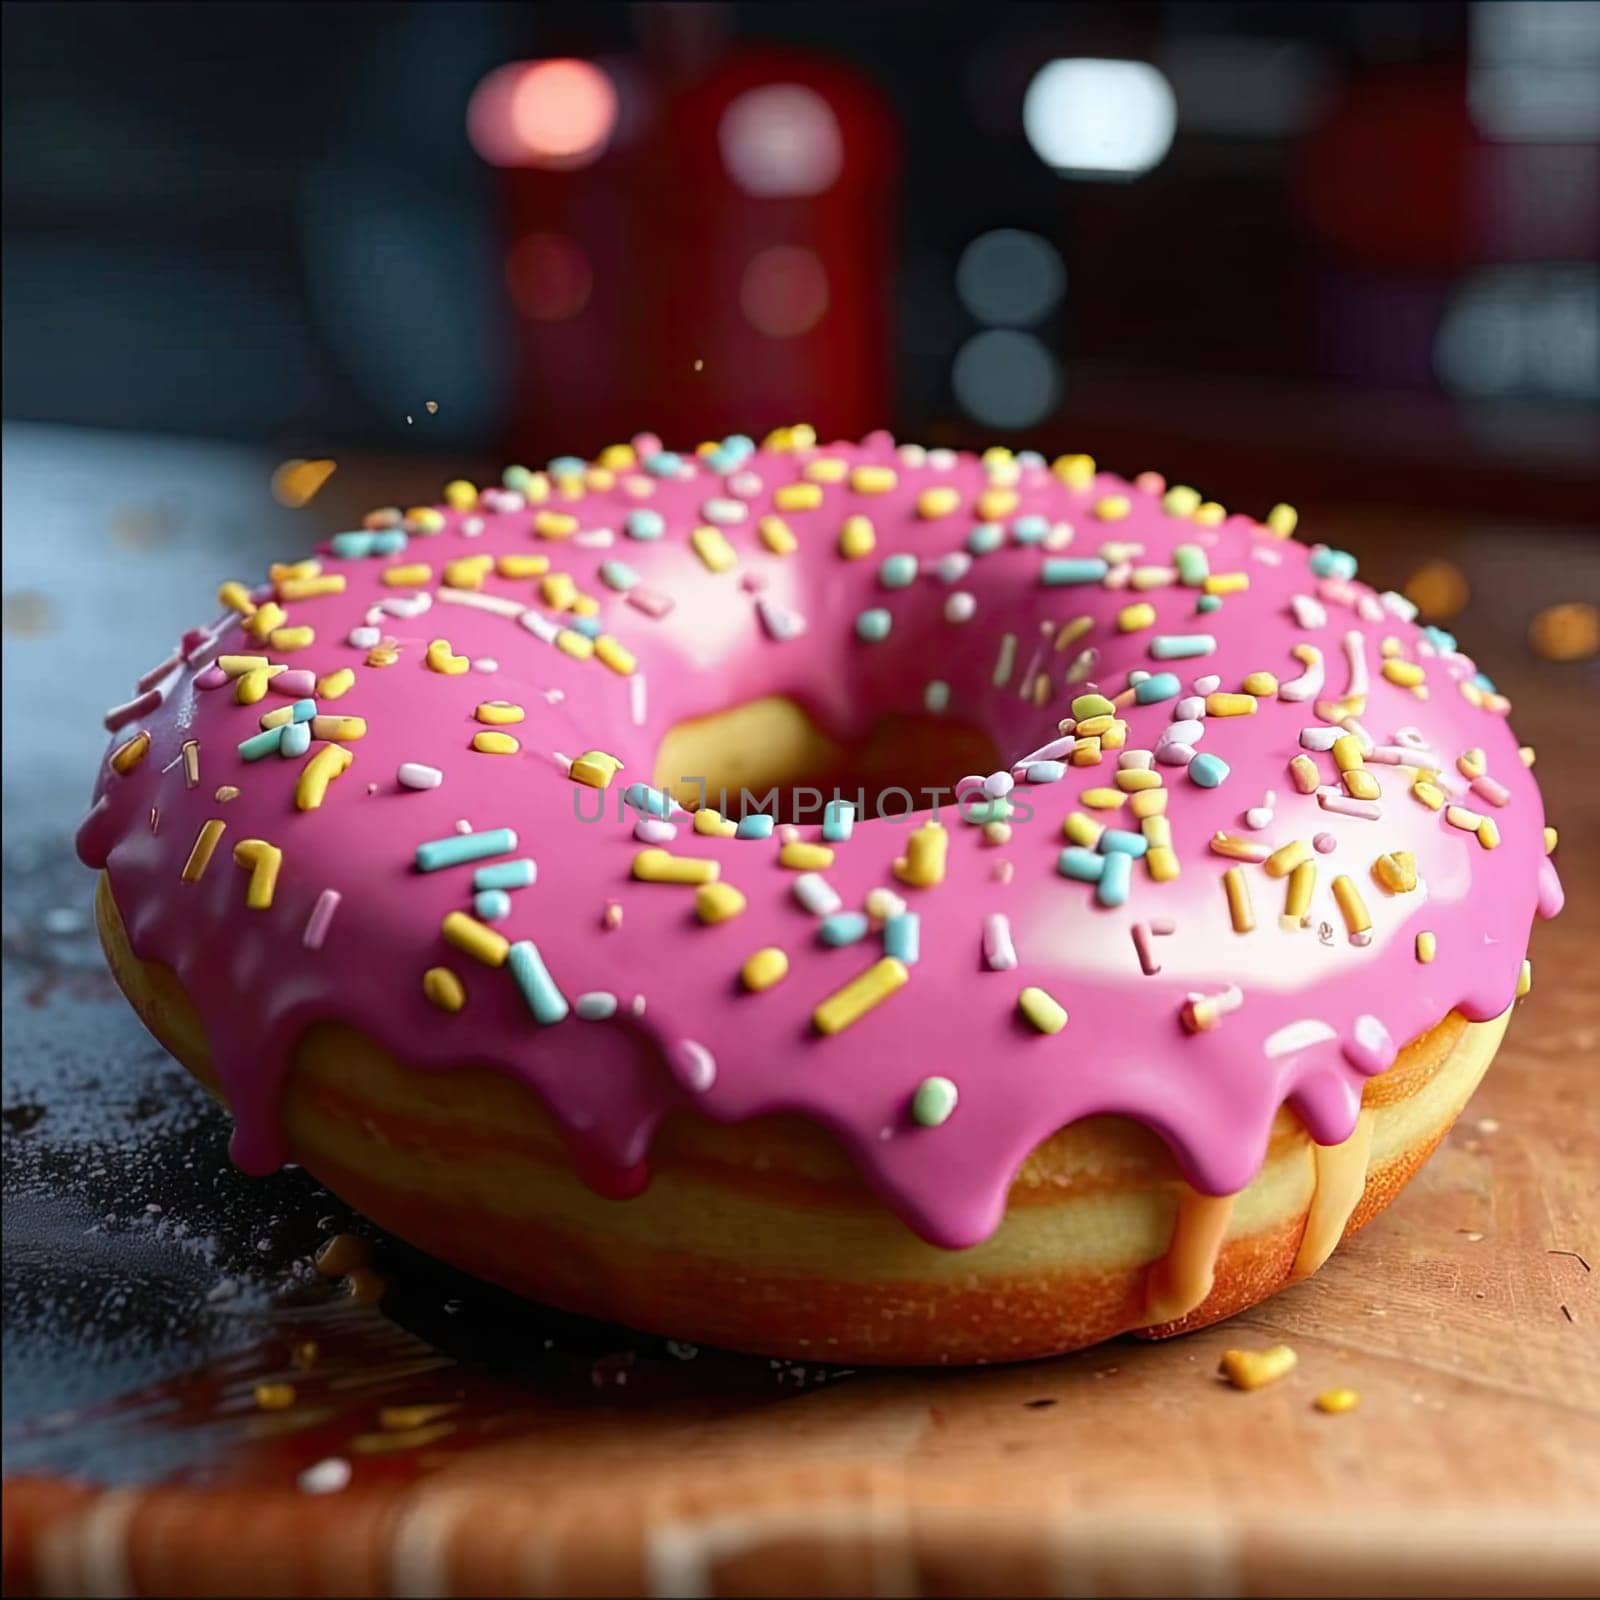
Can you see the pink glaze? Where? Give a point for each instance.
(698, 1040)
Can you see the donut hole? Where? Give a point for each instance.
(771, 755)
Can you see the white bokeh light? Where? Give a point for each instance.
(1006, 379)
(781, 140)
(1009, 278)
(1100, 119)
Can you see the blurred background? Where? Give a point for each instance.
(1339, 253)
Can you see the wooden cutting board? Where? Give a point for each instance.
(455, 1441)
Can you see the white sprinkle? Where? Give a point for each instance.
(1208, 684)
(408, 606)
(724, 512)
(1188, 708)
(365, 638)
(936, 697)
(596, 1006)
(636, 699)
(781, 623)
(596, 538)
(960, 607)
(486, 664)
(1309, 683)
(540, 626)
(998, 950)
(413, 775)
(497, 604)
(696, 1065)
(1355, 652)
(816, 894)
(952, 568)
(1319, 738)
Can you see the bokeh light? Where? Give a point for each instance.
(1010, 278)
(1100, 119)
(1438, 589)
(1567, 632)
(549, 277)
(558, 114)
(781, 140)
(1528, 329)
(1006, 379)
(784, 291)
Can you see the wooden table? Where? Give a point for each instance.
(150, 1289)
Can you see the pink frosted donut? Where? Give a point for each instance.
(396, 858)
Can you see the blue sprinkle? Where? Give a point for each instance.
(644, 524)
(490, 905)
(873, 625)
(517, 479)
(352, 546)
(1084, 865)
(981, 810)
(1208, 603)
(302, 710)
(459, 848)
(898, 571)
(757, 825)
(741, 444)
(1483, 681)
(663, 464)
(653, 802)
(589, 627)
(1156, 688)
(1208, 770)
(618, 575)
(1045, 771)
(1180, 646)
(1443, 642)
(390, 541)
(1123, 842)
(1328, 563)
(261, 744)
(902, 938)
(545, 1000)
(296, 739)
(1112, 889)
(568, 467)
(838, 820)
(1030, 530)
(843, 927)
(519, 874)
(1029, 458)
(721, 462)
(1059, 570)
(986, 538)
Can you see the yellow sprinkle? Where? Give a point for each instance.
(487, 742)
(557, 590)
(658, 866)
(825, 469)
(475, 939)
(441, 986)
(1427, 947)
(584, 605)
(1076, 471)
(857, 538)
(1162, 863)
(1283, 519)
(1240, 911)
(1180, 501)
(939, 502)
(238, 666)
(335, 685)
(577, 645)
(1286, 858)
(798, 497)
(1209, 514)
(1361, 784)
(289, 639)
(1071, 632)
(236, 597)
(1303, 772)
(1524, 979)
(310, 588)
(1489, 833)
(520, 566)
(460, 495)
(1231, 845)
(128, 755)
(775, 535)
(382, 655)
(595, 769)
(802, 857)
(499, 713)
(860, 995)
(1230, 705)
(467, 572)
(1130, 619)
(251, 687)
(282, 571)
(442, 658)
(994, 505)
(1116, 736)
(1082, 829)
(713, 825)
(1337, 1401)
(262, 861)
(1157, 832)
(1396, 871)
(1103, 799)
(615, 655)
(274, 1396)
(763, 969)
(555, 524)
(1137, 780)
(873, 480)
(1044, 1011)
(717, 902)
(1347, 753)
(1351, 906)
(1302, 885)
(537, 489)
(1149, 802)
(617, 457)
(1255, 1369)
(339, 730)
(268, 616)
(412, 575)
(1461, 817)
(1226, 582)
(1095, 727)
(205, 844)
(1112, 507)
(923, 864)
(711, 545)
(1430, 794)
(1472, 763)
(1263, 685)
(1086, 753)
(424, 519)
(1551, 839)
(1407, 674)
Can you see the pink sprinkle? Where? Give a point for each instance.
(654, 830)
(612, 917)
(1486, 788)
(694, 1065)
(132, 710)
(321, 915)
(212, 678)
(297, 683)
(1148, 964)
(1332, 800)
(1369, 1048)
(1324, 843)
(156, 674)
(650, 601)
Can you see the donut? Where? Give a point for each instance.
(852, 902)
